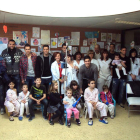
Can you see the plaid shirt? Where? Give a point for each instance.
(23, 65)
(2, 61)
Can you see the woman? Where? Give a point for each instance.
(104, 77)
(94, 61)
(134, 75)
(71, 71)
(56, 71)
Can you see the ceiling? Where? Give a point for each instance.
(104, 22)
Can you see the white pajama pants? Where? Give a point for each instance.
(101, 82)
(100, 106)
(22, 106)
(12, 107)
(110, 108)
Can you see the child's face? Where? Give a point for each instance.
(38, 81)
(11, 85)
(74, 87)
(55, 86)
(117, 57)
(92, 84)
(25, 88)
(69, 94)
(106, 90)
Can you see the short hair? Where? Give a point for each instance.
(104, 51)
(27, 45)
(97, 45)
(123, 47)
(45, 46)
(77, 53)
(55, 54)
(71, 57)
(116, 55)
(11, 81)
(64, 44)
(105, 87)
(24, 85)
(90, 52)
(90, 80)
(68, 89)
(37, 78)
(87, 57)
(11, 40)
(132, 51)
(112, 45)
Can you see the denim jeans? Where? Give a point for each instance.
(29, 81)
(1, 97)
(119, 88)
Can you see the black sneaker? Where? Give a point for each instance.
(45, 117)
(51, 122)
(69, 123)
(78, 121)
(31, 118)
(61, 121)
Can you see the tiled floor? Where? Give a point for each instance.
(119, 128)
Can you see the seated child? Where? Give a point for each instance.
(106, 98)
(23, 100)
(68, 101)
(117, 61)
(55, 103)
(11, 101)
(91, 100)
(76, 93)
(37, 96)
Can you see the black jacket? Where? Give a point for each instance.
(55, 99)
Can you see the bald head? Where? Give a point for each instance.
(97, 48)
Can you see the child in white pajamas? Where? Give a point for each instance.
(23, 100)
(11, 101)
(91, 100)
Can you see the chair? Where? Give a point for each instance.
(113, 102)
(65, 116)
(6, 110)
(131, 100)
(39, 107)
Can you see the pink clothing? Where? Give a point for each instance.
(117, 62)
(74, 110)
(109, 97)
(11, 101)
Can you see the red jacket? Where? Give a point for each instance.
(109, 97)
(23, 65)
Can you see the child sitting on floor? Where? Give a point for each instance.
(23, 100)
(68, 101)
(106, 98)
(11, 101)
(91, 100)
(55, 103)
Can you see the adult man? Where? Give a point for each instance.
(63, 52)
(120, 84)
(97, 52)
(43, 67)
(27, 66)
(12, 56)
(112, 52)
(87, 71)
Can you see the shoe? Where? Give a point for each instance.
(104, 121)
(31, 118)
(69, 123)
(80, 115)
(11, 118)
(61, 121)
(45, 117)
(78, 121)
(51, 122)
(121, 105)
(2, 111)
(90, 122)
(20, 118)
(27, 116)
(112, 116)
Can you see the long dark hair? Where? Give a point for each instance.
(104, 51)
(131, 51)
(73, 82)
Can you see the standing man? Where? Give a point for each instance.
(63, 52)
(43, 67)
(97, 52)
(119, 85)
(87, 71)
(27, 66)
(12, 56)
(112, 52)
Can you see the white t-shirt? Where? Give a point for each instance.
(97, 56)
(94, 61)
(78, 65)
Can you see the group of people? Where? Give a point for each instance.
(47, 80)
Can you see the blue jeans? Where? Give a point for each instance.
(1, 97)
(29, 81)
(46, 83)
(119, 88)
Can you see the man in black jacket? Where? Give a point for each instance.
(12, 56)
(43, 67)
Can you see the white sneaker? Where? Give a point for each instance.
(2, 111)
(105, 120)
(112, 116)
(90, 122)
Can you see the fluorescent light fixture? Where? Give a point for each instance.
(71, 8)
(127, 22)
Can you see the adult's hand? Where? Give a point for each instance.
(81, 91)
(22, 81)
(133, 77)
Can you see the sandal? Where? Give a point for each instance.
(11, 118)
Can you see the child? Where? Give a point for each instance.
(55, 103)
(23, 100)
(76, 93)
(11, 101)
(68, 101)
(37, 96)
(106, 98)
(91, 100)
(117, 61)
